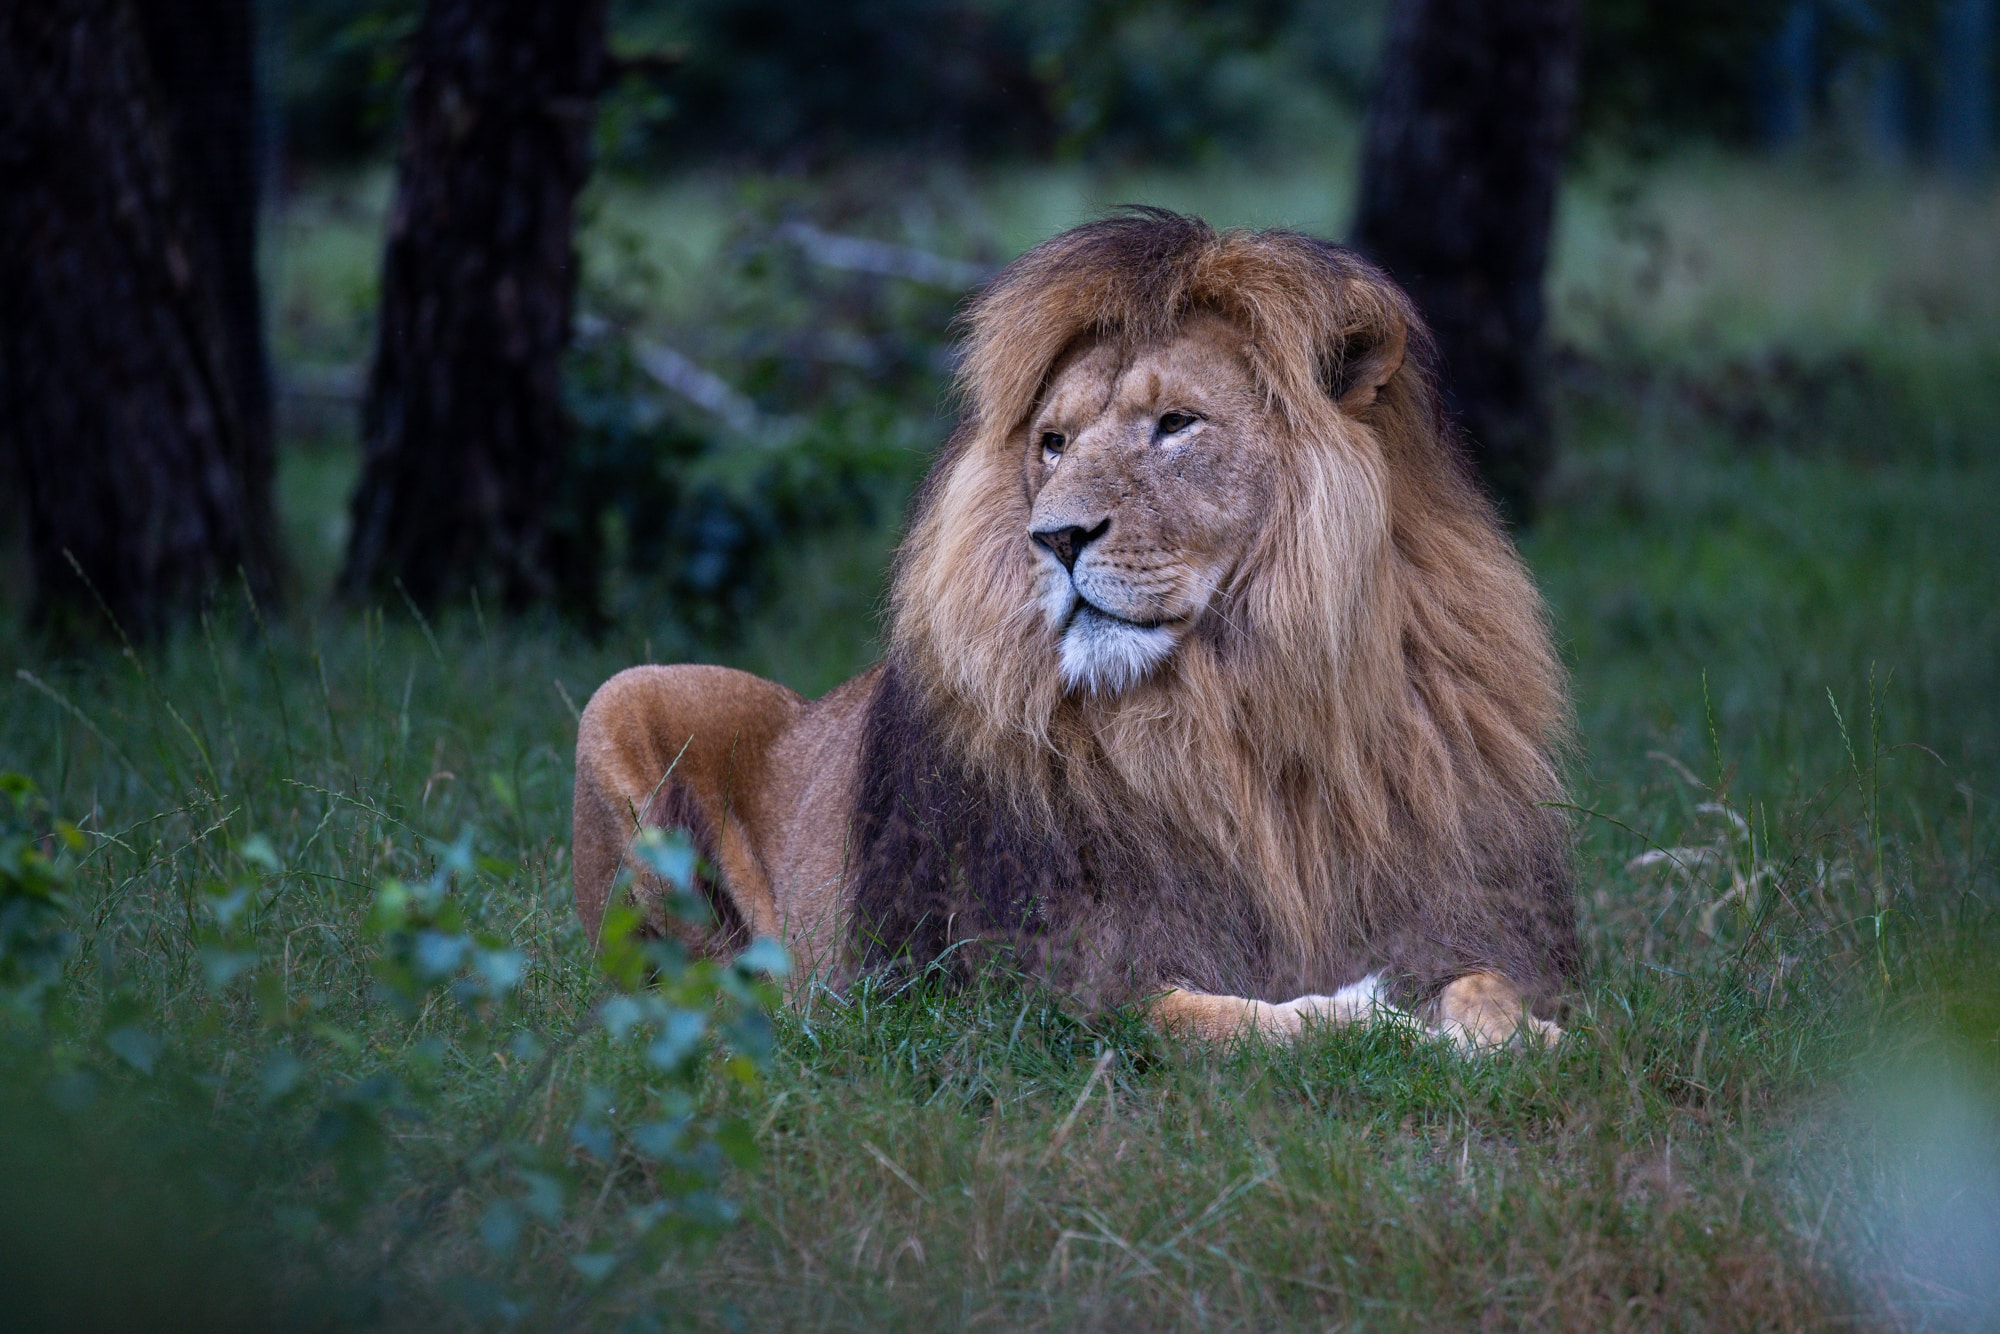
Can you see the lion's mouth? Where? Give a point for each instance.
(1085, 607)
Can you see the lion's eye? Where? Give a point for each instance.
(1175, 422)
(1053, 442)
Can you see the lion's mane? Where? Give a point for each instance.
(1348, 768)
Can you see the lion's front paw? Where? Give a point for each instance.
(1484, 1011)
(1539, 1032)
(1526, 1032)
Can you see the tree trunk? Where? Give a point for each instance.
(1965, 92)
(204, 59)
(464, 431)
(117, 397)
(1466, 137)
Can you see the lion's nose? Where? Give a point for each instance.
(1069, 541)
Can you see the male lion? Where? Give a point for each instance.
(1212, 681)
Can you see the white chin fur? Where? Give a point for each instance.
(1105, 655)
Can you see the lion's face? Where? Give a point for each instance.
(1150, 475)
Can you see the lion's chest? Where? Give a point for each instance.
(943, 867)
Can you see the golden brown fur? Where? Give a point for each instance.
(1340, 769)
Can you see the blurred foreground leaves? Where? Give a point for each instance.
(115, 1155)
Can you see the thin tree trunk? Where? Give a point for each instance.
(117, 397)
(1788, 75)
(1465, 145)
(464, 430)
(1965, 92)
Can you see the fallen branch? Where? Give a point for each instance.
(698, 385)
(858, 255)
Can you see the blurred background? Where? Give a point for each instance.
(734, 236)
(378, 376)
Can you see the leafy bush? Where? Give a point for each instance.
(35, 939)
(1158, 79)
(445, 998)
(788, 79)
(826, 385)
(336, 70)
(1653, 75)
(1146, 80)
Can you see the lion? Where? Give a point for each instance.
(1212, 682)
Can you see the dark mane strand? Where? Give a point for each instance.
(942, 863)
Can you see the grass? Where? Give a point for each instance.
(1782, 625)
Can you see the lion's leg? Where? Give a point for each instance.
(1479, 1012)
(1201, 1014)
(678, 747)
(1484, 1010)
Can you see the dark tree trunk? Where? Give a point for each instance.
(1965, 93)
(117, 394)
(464, 429)
(204, 57)
(1466, 137)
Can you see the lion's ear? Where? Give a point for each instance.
(1364, 363)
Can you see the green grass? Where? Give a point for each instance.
(1784, 632)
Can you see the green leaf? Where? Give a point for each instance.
(594, 1138)
(669, 854)
(765, 955)
(282, 1073)
(690, 906)
(439, 954)
(391, 908)
(226, 904)
(543, 1196)
(500, 1229)
(135, 1046)
(618, 1014)
(458, 857)
(595, 1266)
(659, 1139)
(680, 1035)
(258, 852)
(750, 1033)
(501, 969)
(223, 966)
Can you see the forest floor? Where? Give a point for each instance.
(1772, 552)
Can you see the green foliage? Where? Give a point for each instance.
(697, 517)
(323, 1091)
(785, 79)
(1173, 79)
(1140, 80)
(336, 70)
(36, 856)
(693, 522)
(1652, 75)
(1655, 76)
(1161, 78)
